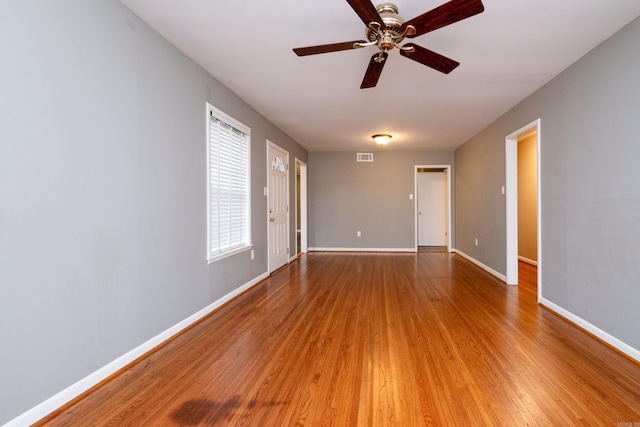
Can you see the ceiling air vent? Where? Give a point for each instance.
(364, 157)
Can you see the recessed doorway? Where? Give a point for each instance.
(513, 199)
(433, 207)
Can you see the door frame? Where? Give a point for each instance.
(448, 202)
(511, 202)
(288, 224)
(301, 205)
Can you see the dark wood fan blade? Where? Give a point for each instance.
(366, 11)
(448, 13)
(325, 48)
(430, 58)
(373, 71)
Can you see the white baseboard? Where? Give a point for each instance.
(604, 336)
(65, 396)
(527, 260)
(481, 265)
(362, 250)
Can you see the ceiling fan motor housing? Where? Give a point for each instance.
(387, 38)
(389, 14)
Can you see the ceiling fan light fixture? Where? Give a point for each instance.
(381, 138)
(386, 30)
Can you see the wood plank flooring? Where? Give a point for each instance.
(354, 339)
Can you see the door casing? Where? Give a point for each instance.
(301, 206)
(447, 170)
(511, 202)
(432, 211)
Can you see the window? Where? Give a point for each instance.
(278, 164)
(229, 210)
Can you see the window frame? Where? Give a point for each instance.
(225, 118)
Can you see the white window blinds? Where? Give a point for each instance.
(229, 197)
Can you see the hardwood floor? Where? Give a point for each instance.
(374, 340)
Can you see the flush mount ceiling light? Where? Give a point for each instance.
(381, 138)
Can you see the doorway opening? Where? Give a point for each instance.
(301, 208)
(522, 191)
(432, 207)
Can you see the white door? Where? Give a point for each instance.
(432, 209)
(277, 204)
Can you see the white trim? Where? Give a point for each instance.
(527, 260)
(539, 172)
(449, 202)
(511, 203)
(224, 117)
(604, 336)
(304, 203)
(227, 254)
(65, 396)
(481, 265)
(293, 258)
(413, 250)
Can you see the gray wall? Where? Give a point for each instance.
(346, 196)
(102, 192)
(590, 184)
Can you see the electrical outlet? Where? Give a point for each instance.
(253, 254)
(358, 233)
(476, 242)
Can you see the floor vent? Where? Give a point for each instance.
(364, 157)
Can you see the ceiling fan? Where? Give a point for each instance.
(386, 30)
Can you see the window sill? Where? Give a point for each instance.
(227, 254)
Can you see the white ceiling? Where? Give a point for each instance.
(506, 53)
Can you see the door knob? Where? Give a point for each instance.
(271, 219)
